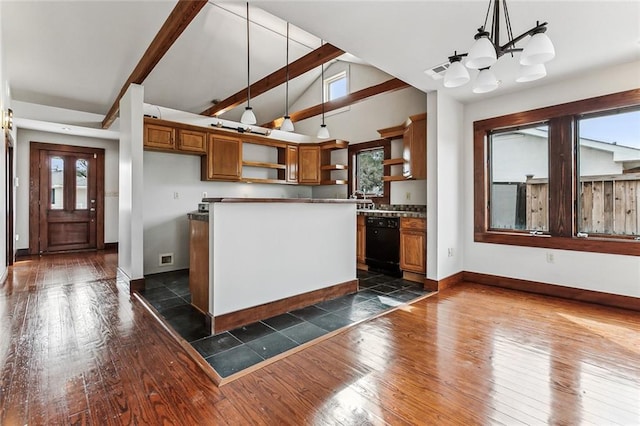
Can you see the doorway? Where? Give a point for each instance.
(66, 203)
(9, 197)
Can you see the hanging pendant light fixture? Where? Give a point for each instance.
(486, 50)
(248, 117)
(287, 124)
(323, 132)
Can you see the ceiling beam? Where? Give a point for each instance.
(181, 16)
(350, 99)
(311, 60)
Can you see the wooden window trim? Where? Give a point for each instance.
(353, 150)
(562, 172)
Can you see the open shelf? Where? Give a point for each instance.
(261, 180)
(393, 162)
(334, 167)
(333, 182)
(392, 178)
(335, 144)
(264, 165)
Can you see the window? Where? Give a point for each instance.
(367, 170)
(520, 179)
(566, 176)
(336, 86)
(609, 166)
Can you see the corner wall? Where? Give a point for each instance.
(590, 271)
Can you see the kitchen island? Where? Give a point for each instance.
(270, 256)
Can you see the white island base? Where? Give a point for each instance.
(270, 256)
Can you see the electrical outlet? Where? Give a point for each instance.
(450, 252)
(407, 196)
(17, 237)
(550, 258)
(204, 194)
(176, 195)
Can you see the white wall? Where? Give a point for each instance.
(131, 184)
(5, 103)
(360, 122)
(591, 271)
(444, 186)
(166, 227)
(110, 147)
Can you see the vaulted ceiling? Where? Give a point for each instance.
(78, 54)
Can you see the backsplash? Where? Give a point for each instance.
(402, 207)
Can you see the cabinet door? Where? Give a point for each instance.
(309, 163)
(224, 158)
(412, 251)
(192, 141)
(361, 236)
(292, 163)
(199, 264)
(418, 142)
(159, 137)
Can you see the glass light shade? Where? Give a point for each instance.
(482, 54)
(323, 133)
(531, 73)
(538, 50)
(457, 75)
(486, 82)
(287, 124)
(248, 117)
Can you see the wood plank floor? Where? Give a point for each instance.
(76, 348)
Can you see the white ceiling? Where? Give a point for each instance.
(77, 54)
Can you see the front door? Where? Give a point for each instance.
(68, 199)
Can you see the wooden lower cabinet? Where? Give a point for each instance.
(413, 238)
(361, 235)
(199, 264)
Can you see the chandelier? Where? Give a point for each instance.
(486, 50)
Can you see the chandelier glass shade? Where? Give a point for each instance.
(486, 50)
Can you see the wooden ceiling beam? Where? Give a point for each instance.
(350, 99)
(311, 60)
(181, 16)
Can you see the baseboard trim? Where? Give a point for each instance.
(137, 284)
(23, 252)
(577, 294)
(445, 283)
(256, 313)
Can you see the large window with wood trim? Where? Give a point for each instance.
(566, 176)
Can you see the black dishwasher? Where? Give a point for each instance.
(383, 245)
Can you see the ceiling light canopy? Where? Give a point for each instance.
(486, 50)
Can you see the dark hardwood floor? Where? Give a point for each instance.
(76, 348)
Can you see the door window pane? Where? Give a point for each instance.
(82, 195)
(56, 183)
(519, 169)
(609, 164)
(370, 171)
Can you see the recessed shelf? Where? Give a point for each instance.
(392, 178)
(264, 165)
(333, 182)
(334, 167)
(393, 162)
(260, 180)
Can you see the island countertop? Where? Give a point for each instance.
(287, 200)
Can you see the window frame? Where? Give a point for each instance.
(353, 150)
(563, 177)
(335, 77)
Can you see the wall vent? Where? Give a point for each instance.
(166, 259)
(437, 72)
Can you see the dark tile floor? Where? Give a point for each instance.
(235, 350)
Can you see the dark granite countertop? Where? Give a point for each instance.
(392, 213)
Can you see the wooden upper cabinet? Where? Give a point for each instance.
(158, 136)
(309, 164)
(224, 159)
(415, 148)
(291, 161)
(192, 141)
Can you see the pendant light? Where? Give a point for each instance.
(323, 132)
(248, 117)
(287, 124)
